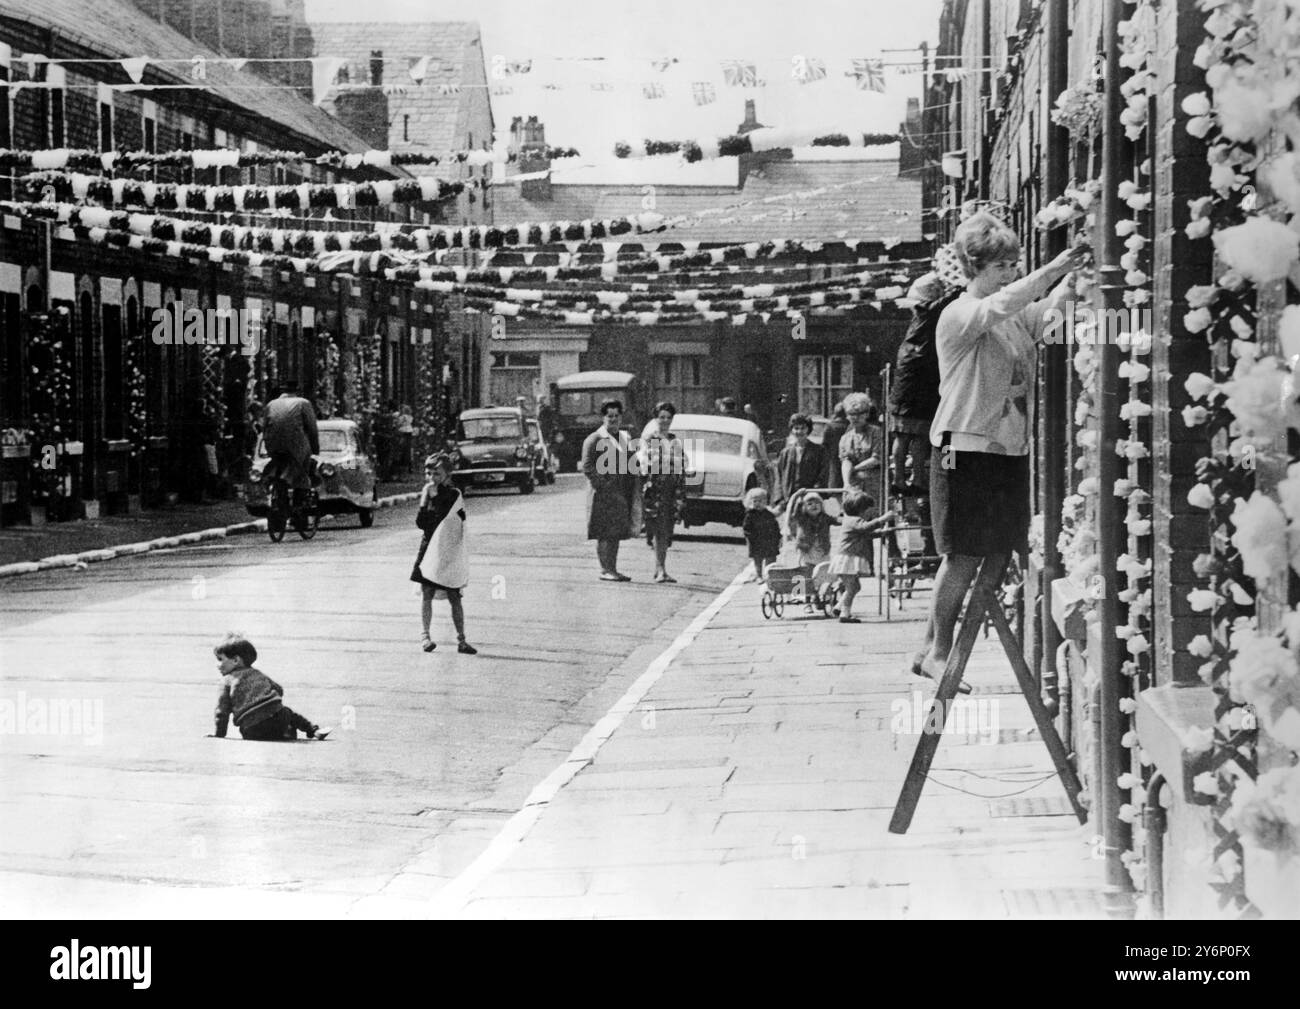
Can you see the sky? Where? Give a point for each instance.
(699, 34)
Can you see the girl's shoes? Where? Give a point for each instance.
(427, 643)
(465, 648)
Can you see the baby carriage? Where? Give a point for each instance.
(799, 585)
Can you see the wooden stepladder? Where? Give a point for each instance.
(982, 603)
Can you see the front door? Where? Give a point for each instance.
(756, 387)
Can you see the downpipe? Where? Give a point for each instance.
(1156, 822)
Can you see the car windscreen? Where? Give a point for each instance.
(334, 441)
(583, 402)
(491, 429)
(330, 441)
(711, 441)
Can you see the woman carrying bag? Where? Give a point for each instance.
(442, 565)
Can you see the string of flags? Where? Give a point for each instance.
(58, 159)
(64, 186)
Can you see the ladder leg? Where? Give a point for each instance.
(928, 742)
(1041, 718)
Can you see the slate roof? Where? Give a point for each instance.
(437, 120)
(874, 211)
(116, 28)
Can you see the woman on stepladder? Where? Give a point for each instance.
(442, 565)
(979, 472)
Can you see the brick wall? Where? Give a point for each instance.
(1180, 174)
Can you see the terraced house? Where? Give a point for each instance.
(1164, 638)
(97, 417)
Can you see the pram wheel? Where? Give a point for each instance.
(765, 604)
(778, 604)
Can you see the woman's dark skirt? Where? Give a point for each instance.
(979, 502)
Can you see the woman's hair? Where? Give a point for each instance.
(857, 504)
(838, 412)
(797, 419)
(982, 239)
(663, 407)
(858, 401)
(609, 404)
(755, 498)
(439, 459)
(236, 646)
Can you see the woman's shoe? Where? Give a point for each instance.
(465, 648)
(609, 576)
(928, 671)
(668, 579)
(850, 620)
(427, 643)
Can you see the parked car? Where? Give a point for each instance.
(496, 449)
(347, 474)
(725, 458)
(547, 464)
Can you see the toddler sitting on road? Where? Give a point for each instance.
(254, 698)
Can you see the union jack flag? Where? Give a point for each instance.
(602, 86)
(704, 93)
(870, 75)
(809, 68)
(738, 74)
(652, 90)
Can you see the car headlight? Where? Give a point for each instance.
(327, 469)
(522, 453)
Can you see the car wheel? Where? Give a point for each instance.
(367, 516)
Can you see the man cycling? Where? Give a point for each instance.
(291, 439)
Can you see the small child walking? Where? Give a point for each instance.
(762, 531)
(852, 557)
(809, 527)
(254, 699)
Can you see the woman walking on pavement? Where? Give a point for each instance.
(615, 489)
(663, 487)
(979, 477)
(442, 565)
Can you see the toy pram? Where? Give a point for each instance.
(799, 585)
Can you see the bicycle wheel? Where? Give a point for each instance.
(309, 517)
(277, 512)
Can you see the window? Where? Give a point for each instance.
(406, 127)
(150, 136)
(376, 67)
(683, 381)
(57, 78)
(105, 127)
(824, 380)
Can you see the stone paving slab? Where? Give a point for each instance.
(772, 754)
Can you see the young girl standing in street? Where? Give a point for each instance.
(442, 565)
(762, 531)
(852, 557)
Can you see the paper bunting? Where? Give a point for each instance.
(134, 68)
(704, 93)
(652, 90)
(807, 69)
(418, 69)
(870, 75)
(739, 74)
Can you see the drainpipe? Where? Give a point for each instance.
(1056, 419)
(1156, 821)
(1109, 517)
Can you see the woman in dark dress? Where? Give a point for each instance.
(663, 488)
(437, 501)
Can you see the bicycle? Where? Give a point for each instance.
(301, 510)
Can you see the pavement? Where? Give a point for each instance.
(25, 545)
(684, 758)
(753, 775)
